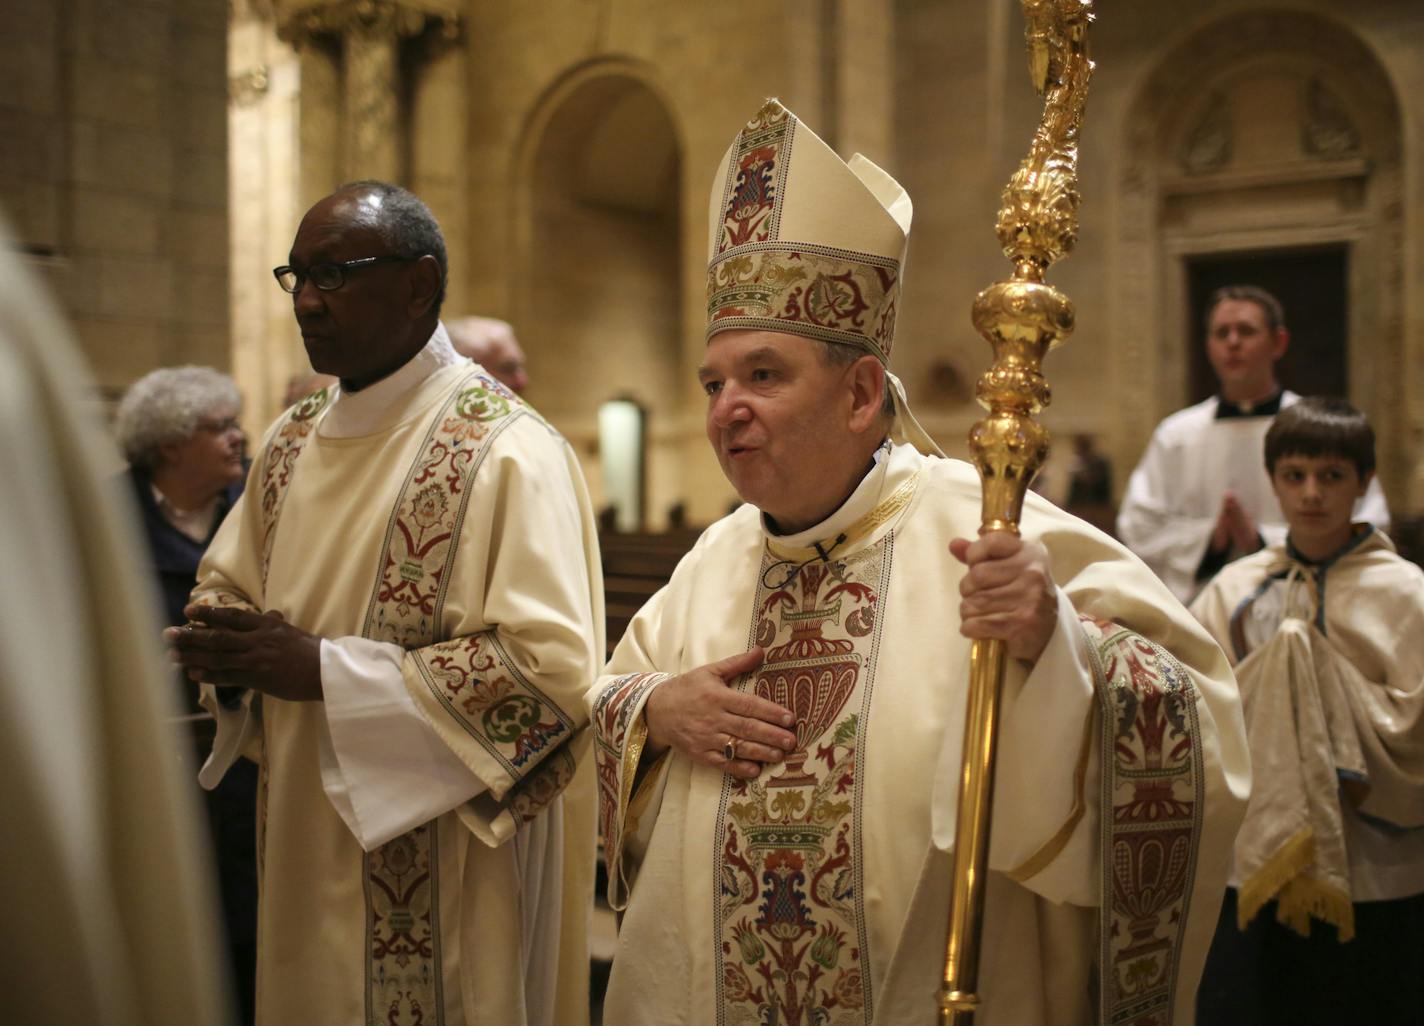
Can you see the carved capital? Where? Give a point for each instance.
(1211, 142)
(303, 21)
(1329, 131)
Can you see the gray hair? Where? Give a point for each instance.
(841, 354)
(166, 406)
(407, 226)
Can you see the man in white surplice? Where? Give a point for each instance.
(410, 595)
(1199, 498)
(777, 736)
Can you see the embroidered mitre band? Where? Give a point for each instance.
(802, 241)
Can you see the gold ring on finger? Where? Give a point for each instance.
(729, 750)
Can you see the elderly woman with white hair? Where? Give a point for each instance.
(178, 428)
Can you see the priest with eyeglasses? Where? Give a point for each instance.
(409, 598)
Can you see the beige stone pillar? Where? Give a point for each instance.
(368, 34)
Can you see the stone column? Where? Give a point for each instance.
(368, 34)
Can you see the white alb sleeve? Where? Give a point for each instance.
(383, 766)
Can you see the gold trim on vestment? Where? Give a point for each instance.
(638, 793)
(1055, 844)
(882, 513)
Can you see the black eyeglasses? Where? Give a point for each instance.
(328, 277)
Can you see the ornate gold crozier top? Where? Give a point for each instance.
(1022, 318)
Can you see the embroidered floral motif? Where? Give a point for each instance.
(419, 546)
(613, 712)
(547, 781)
(1153, 785)
(790, 923)
(484, 692)
(403, 967)
(277, 462)
(402, 929)
(836, 295)
(755, 178)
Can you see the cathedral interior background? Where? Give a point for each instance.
(158, 154)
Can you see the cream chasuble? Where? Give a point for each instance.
(1330, 657)
(437, 533)
(818, 893)
(1174, 495)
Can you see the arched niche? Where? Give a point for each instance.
(1267, 131)
(598, 290)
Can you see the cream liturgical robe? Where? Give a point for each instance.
(1174, 496)
(818, 893)
(418, 861)
(1330, 657)
(110, 916)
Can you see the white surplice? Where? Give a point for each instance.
(818, 893)
(1174, 495)
(418, 862)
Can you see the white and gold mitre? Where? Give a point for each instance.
(802, 241)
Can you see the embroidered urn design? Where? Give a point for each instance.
(811, 675)
(1150, 867)
(790, 921)
(1150, 837)
(401, 926)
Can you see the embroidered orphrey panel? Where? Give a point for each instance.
(756, 179)
(613, 713)
(791, 935)
(1152, 782)
(403, 971)
(277, 462)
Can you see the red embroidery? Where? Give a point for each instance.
(791, 928)
(750, 201)
(1152, 802)
(613, 712)
(277, 463)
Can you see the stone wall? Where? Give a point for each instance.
(113, 170)
(117, 132)
(964, 115)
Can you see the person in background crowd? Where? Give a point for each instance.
(301, 385)
(178, 428)
(490, 342)
(1199, 498)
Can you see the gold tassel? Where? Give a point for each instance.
(1293, 858)
(1305, 898)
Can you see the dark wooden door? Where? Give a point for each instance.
(1312, 285)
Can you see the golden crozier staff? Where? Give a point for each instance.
(1022, 318)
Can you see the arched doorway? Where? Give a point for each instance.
(598, 286)
(1267, 139)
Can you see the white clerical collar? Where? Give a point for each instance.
(353, 414)
(894, 465)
